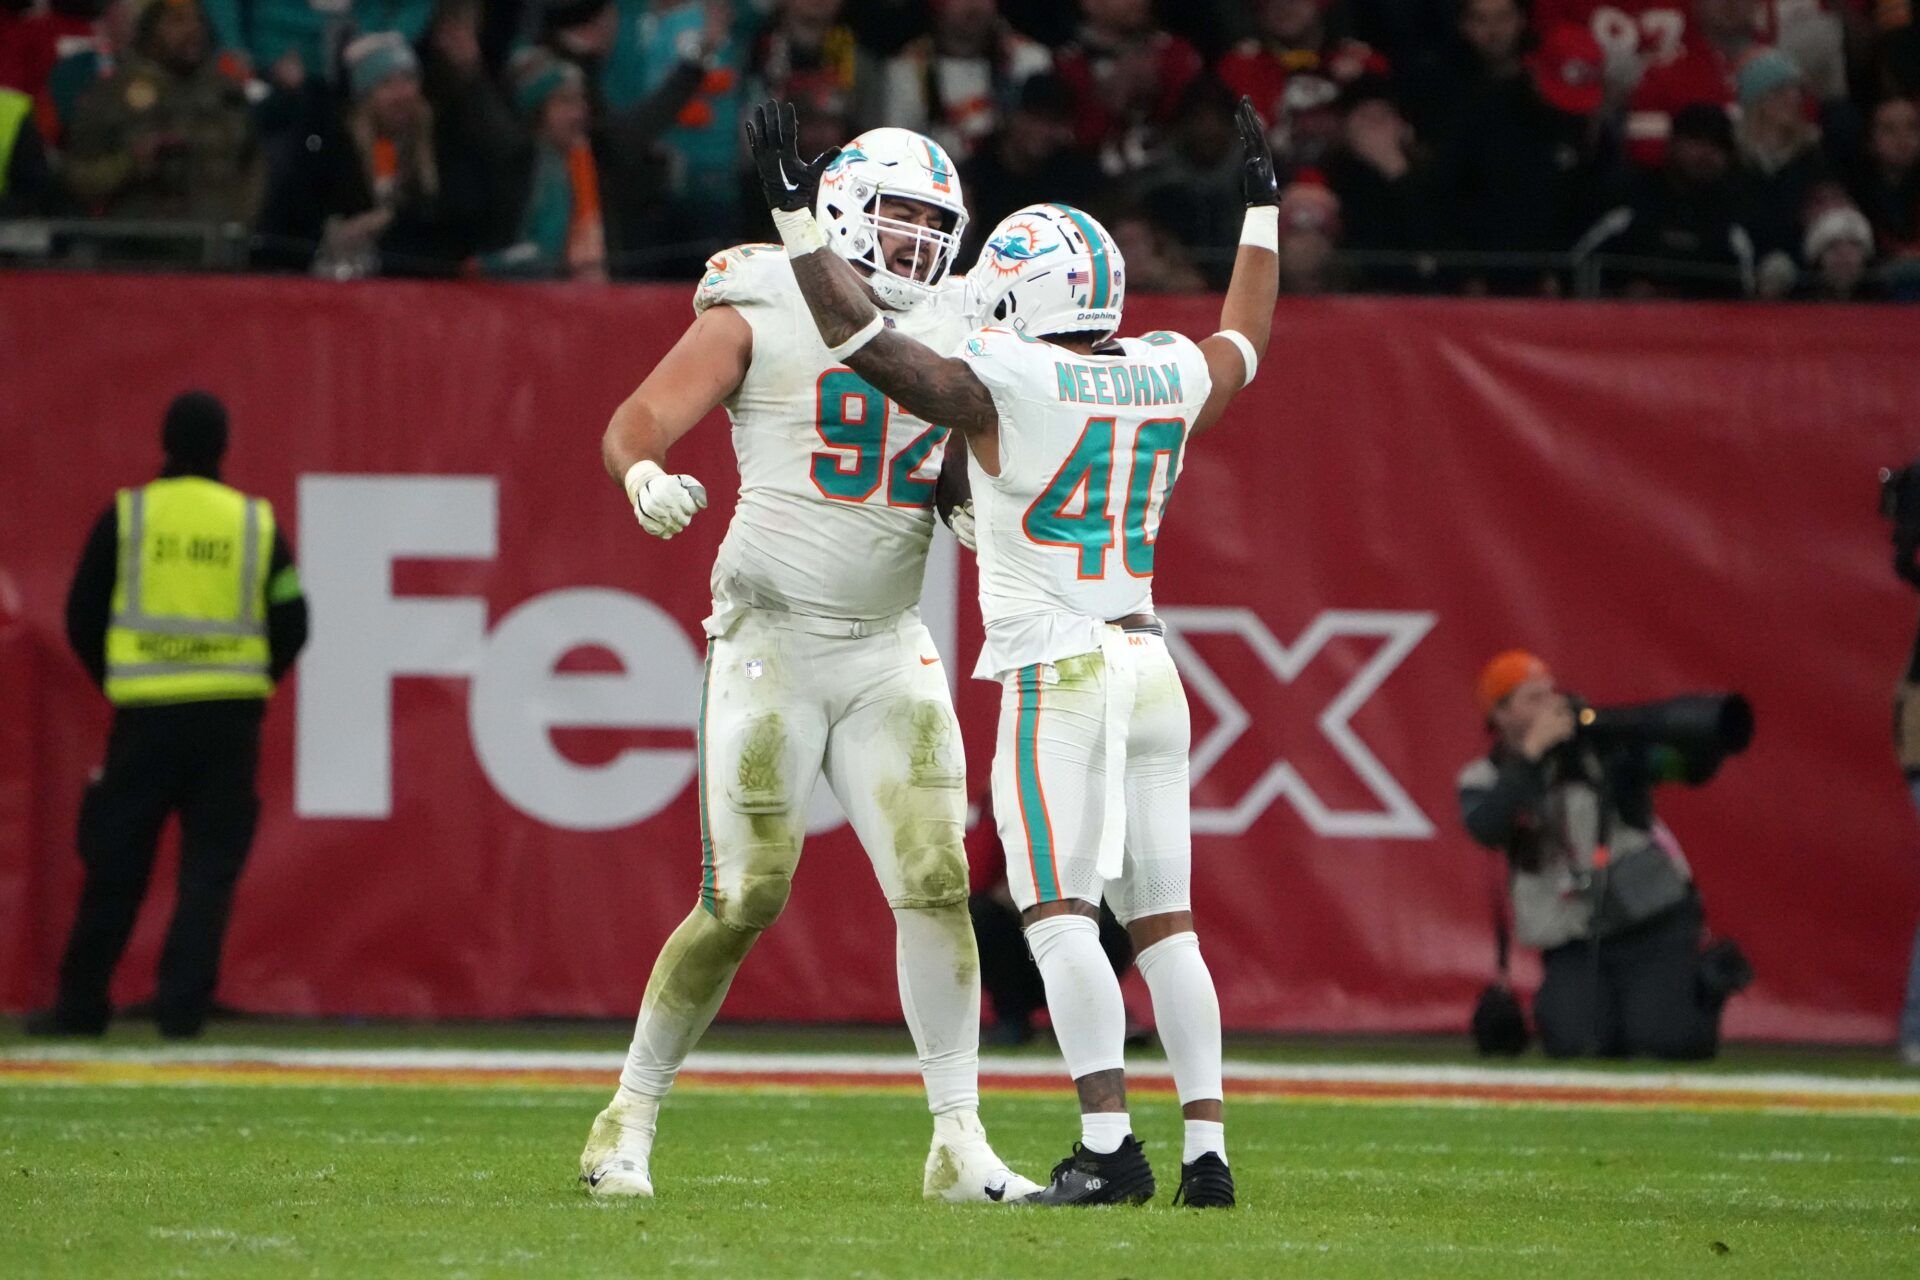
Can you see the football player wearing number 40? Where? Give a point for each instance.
(1076, 441)
(817, 662)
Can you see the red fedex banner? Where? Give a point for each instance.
(479, 790)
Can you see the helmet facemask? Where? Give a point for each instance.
(883, 165)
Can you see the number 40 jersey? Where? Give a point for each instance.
(1090, 447)
(836, 484)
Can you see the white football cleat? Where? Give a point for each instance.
(962, 1168)
(614, 1162)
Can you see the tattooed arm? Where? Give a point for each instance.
(923, 382)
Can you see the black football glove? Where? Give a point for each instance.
(773, 135)
(1257, 181)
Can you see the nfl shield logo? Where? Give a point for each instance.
(755, 669)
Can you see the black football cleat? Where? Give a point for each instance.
(1207, 1183)
(1088, 1177)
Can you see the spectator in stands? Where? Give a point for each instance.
(378, 188)
(1030, 158)
(1193, 184)
(305, 38)
(1295, 71)
(1781, 165)
(807, 47)
(1519, 168)
(1679, 224)
(1719, 34)
(32, 37)
(27, 182)
(663, 84)
(1127, 77)
(1157, 262)
(1387, 198)
(169, 135)
(1886, 183)
(1839, 252)
(472, 118)
(560, 234)
(957, 82)
(1487, 46)
(1309, 236)
(85, 61)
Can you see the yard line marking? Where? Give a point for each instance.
(1251, 1081)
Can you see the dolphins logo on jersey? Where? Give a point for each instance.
(1014, 247)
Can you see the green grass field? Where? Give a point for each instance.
(355, 1180)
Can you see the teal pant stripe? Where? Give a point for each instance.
(1033, 805)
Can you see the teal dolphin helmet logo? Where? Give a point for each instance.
(1017, 246)
(846, 157)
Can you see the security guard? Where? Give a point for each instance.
(186, 610)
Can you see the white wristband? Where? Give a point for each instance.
(1261, 229)
(1239, 340)
(868, 332)
(637, 475)
(798, 231)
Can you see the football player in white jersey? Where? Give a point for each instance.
(1076, 440)
(817, 662)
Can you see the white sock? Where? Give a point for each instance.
(1187, 1013)
(690, 979)
(1104, 1131)
(939, 968)
(1204, 1136)
(1083, 996)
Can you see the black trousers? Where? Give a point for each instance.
(1007, 971)
(194, 759)
(1641, 995)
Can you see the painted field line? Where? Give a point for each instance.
(1360, 1082)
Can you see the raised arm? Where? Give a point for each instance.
(703, 369)
(927, 384)
(1246, 317)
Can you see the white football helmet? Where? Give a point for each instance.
(1050, 268)
(903, 165)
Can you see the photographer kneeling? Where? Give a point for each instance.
(1566, 793)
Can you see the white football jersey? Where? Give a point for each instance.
(836, 483)
(1090, 447)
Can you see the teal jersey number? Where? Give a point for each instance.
(1072, 511)
(1155, 440)
(904, 488)
(1087, 474)
(850, 416)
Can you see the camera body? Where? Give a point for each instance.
(1900, 503)
(1900, 496)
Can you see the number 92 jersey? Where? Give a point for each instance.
(1090, 447)
(836, 484)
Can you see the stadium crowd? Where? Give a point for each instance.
(1700, 148)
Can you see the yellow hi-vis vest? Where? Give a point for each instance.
(189, 605)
